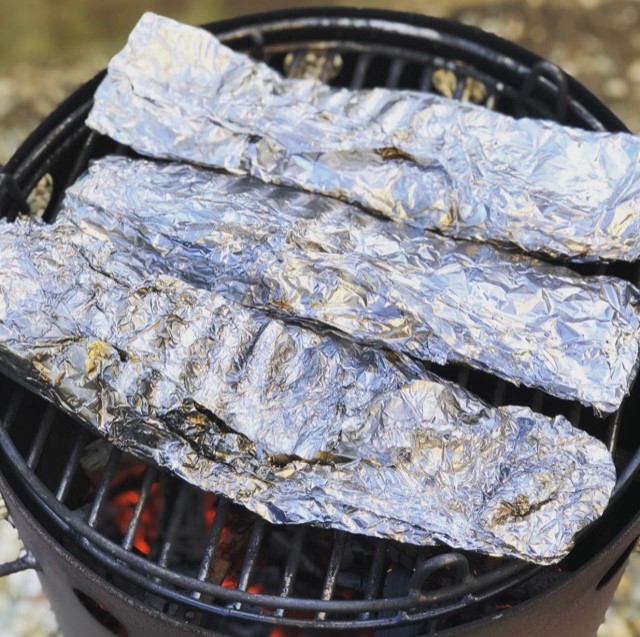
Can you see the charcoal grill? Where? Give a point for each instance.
(59, 480)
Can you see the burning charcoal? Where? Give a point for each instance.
(365, 441)
(420, 294)
(176, 92)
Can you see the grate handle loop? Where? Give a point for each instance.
(454, 562)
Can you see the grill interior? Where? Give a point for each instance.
(290, 577)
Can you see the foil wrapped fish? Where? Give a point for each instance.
(319, 259)
(296, 425)
(176, 92)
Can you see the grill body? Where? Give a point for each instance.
(96, 589)
(573, 609)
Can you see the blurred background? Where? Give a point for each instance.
(49, 47)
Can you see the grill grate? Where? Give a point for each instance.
(188, 586)
(439, 583)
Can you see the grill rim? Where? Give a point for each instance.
(28, 158)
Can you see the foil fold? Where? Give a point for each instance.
(295, 424)
(321, 260)
(176, 92)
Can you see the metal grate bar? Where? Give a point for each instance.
(222, 508)
(425, 79)
(145, 489)
(72, 464)
(360, 71)
(613, 429)
(43, 431)
(461, 81)
(537, 400)
(121, 149)
(498, 392)
(177, 515)
(575, 415)
(298, 59)
(491, 101)
(84, 155)
(17, 396)
(103, 487)
(375, 573)
(627, 473)
(395, 72)
(291, 568)
(80, 163)
(251, 556)
(325, 74)
(333, 569)
(8, 183)
(256, 50)
(463, 376)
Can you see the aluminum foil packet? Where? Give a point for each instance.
(295, 424)
(176, 92)
(320, 259)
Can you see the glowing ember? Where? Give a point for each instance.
(230, 581)
(210, 504)
(123, 505)
(125, 495)
(230, 552)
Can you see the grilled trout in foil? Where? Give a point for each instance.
(176, 92)
(319, 259)
(294, 424)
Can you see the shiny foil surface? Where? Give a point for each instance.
(319, 259)
(296, 425)
(176, 92)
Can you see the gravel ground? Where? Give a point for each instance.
(599, 43)
(24, 611)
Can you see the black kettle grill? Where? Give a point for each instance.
(122, 548)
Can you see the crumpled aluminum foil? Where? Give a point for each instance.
(296, 425)
(319, 259)
(177, 92)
